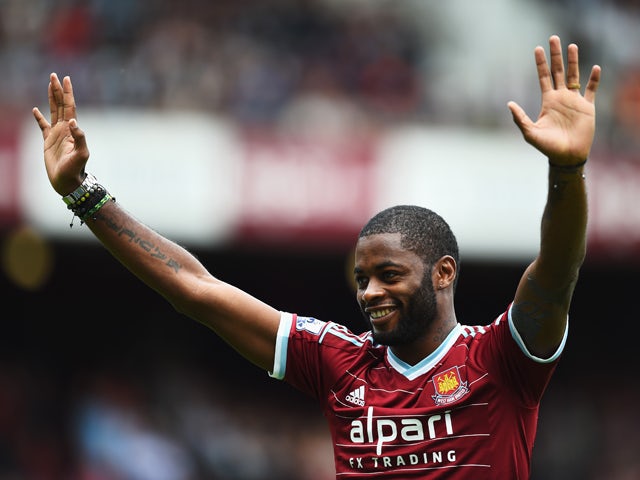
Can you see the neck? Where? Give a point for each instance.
(424, 346)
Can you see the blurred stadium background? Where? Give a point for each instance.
(261, 135)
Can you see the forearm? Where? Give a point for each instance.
(246, 323)
(544, 294)
(158, 262)
(563, 227)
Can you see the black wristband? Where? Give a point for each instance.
(568, 168)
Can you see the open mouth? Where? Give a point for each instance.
(379, 316)
(376, 314)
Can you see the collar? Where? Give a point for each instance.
(426, 364)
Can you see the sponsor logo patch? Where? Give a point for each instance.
(309, 324)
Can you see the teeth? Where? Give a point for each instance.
(380, 313)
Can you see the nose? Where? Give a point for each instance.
(371, 291)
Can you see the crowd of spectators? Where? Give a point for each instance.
(246, 60)
(265, 62)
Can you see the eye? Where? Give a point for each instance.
(390, 275)
(361, 281)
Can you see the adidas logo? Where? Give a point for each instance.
(357, 396)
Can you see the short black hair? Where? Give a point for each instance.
(422, 231)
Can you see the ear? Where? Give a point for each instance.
(444, 272)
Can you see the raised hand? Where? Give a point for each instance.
(565, 126)
(65, 148)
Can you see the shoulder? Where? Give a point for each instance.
(320, 331)
(498, 326)
(502, 338)
(331, 335)
(311, 348)
(481, 332)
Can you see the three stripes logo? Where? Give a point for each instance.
(357, 396)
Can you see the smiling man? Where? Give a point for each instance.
(398, 252)
(420, 395)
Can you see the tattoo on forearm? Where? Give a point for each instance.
(146, 245)
(173, 264)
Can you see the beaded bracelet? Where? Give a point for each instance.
(81, 192)
(87, 199)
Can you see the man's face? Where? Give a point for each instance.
(394, 290)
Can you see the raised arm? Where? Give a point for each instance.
(246, 323)
(564, 132)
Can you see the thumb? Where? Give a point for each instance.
(520, 118)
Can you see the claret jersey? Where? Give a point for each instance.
(467, 411)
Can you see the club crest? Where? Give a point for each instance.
(449, 386)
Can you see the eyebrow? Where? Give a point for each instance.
(379, 266)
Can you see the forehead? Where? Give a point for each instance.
(374, 250)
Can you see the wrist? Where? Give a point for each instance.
(87, 199)
(81, 191)
(571, 168)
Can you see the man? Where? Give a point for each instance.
(420, 395)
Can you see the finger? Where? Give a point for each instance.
(78, 136)
(77, 133)
(53, 107)
(42, 122)
(68, 101)
(573, 67)
(557, 61)
(544, 76)
(56, 101)
(594, 82)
